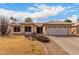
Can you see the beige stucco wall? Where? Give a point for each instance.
(77, 29)
(34, 28)
(45, 29)
(73, 30)
(12, 30)
(22, 29)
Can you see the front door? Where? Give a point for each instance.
(39, 30)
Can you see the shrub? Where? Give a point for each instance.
(41, 38)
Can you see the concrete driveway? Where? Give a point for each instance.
(69, 44)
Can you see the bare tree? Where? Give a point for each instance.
(3, 25)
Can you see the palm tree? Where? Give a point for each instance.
(28, 19)
(67, 20)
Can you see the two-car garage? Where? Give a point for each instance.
(58, 28)
(57, 31)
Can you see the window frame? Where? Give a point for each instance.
(17, 29)
(27, 29)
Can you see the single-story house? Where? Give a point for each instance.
(49, 28)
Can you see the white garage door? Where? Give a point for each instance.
(57, 31)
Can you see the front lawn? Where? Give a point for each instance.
(18, 44)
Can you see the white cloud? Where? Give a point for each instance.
(10, 13)
(73, 18)
(42, 11)
(31, 9)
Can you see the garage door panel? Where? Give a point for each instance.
(57, 31)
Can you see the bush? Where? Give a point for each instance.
(38, 37)
(41, 38)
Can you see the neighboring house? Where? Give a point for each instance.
(75, 28)
(49, 28)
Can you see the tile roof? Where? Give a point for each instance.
(58, 22)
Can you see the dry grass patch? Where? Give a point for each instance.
(18, 44)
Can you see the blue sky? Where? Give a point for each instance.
(41, 12)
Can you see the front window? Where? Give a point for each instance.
(16, 29)
(27, 29)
